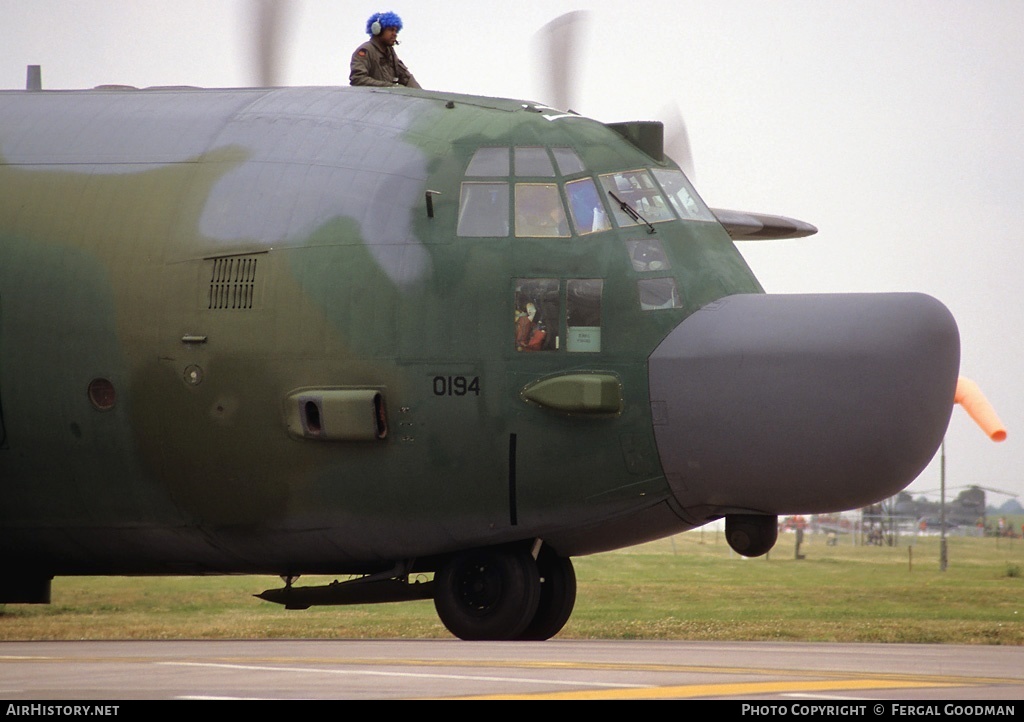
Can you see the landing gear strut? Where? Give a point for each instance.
(502, 593)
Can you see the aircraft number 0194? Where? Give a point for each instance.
(456, 386)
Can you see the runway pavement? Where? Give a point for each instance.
(824, 674)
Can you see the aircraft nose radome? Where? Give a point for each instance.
(802, 403)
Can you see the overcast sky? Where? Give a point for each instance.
(894, 126)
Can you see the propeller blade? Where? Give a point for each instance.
(269, 18)
(560, 39)
(969, 396)
(677, 140)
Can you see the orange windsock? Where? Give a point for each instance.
(969, 396)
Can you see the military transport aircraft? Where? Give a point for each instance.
(382, 333)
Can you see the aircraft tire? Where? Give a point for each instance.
(557, 596)
(487, 594)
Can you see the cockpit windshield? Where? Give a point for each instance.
(541, 192)
(588, 213)
(530, 161)
(686, 202)
(489, 162)
(539, 211)
(636, 189)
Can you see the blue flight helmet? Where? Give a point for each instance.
(378, 21)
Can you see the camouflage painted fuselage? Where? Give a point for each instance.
(182, 270)
(119, 208)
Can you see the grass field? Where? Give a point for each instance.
(691, 586)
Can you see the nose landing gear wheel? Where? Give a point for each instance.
(487, 594)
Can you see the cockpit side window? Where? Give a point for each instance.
(658, 293)
(489, 162)
(636, 188)
(483, 210)
(588, 212)
(648, 255)
(684, 199)
(539, 211)
(583, 315)
(537, 311)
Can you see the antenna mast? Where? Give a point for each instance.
(34, 78)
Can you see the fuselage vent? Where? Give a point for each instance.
(233, 283)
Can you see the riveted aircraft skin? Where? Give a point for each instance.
(181, 269)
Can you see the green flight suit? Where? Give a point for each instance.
(379, 65)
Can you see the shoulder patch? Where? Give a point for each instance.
(362, 53)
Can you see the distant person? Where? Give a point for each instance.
(375, 61)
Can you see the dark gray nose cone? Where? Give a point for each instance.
(802, 403)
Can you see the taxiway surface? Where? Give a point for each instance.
(562, 669)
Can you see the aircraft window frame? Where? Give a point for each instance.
(568, 161)
(598, 213)
(102, 394)
(537, 313)
(684, 199)
(476, 220)
(658, 294)
(583, 297)
(532, 161)
(553, 206)
(490, 161)
(648, 255)
(641, 193)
